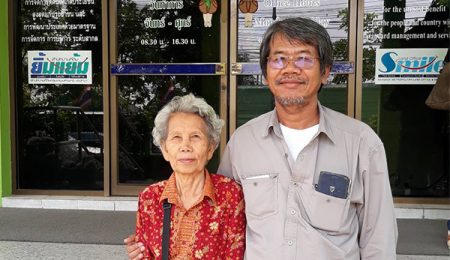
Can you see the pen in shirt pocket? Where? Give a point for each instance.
(262, 176)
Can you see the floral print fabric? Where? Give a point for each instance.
(214, 228)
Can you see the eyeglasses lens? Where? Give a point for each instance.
(280, 62)
(304, 63)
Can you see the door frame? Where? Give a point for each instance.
(354, 80)
(119, 189)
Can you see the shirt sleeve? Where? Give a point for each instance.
(141, 227)
(378, 225)
(235, 225)
(226, 167)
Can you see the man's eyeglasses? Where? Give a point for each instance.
(280, 61)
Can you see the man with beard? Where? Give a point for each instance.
(315, 181)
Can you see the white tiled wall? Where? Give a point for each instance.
(83, 203)
(411, 211)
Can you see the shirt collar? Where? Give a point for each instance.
(324, 124)
(272, 125)
(170, 190)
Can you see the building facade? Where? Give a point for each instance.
(82, 80)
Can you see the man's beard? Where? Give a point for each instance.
(290, 101)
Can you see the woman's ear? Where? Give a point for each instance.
(211, 150)
(163, 149)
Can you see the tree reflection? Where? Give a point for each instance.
(59, 147)
(56, 39)
(340, 47)
(150, 35)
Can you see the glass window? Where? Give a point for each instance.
(167, 32)
(59, 95)
(161, 32)
(405, 43)
(140, 99)
(253, 97)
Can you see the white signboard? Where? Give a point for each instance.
(408, 66)
(59, 67)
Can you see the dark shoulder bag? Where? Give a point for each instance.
(439, 97)
(166, 230)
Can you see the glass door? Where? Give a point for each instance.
(406, 44)
(160, 49)
(59, 107)
(250, 19)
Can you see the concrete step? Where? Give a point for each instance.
(404, 211)
(420, 237)
(12, 250)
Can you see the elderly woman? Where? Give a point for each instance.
(207, 218)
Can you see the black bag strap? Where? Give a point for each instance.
(166, 230)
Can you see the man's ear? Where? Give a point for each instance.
(325, 75)
(264, 81)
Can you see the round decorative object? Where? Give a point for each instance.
(207, 6)
(248, 6)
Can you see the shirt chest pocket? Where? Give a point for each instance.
(327, 212)
(261, 195)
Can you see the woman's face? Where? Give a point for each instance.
(187, 147)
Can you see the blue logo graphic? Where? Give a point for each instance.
(410, 64)
(72, 67)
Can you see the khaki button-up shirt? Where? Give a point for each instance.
(287, 218)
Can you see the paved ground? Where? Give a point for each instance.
(12, 250)
(66, 226)
(87, 234)
(422, 237)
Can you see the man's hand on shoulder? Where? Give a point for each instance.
(135, 250)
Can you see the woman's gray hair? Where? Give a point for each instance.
(298, 30)
(188, 104)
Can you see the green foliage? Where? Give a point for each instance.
(373, 122)
(54, 95)
(343, 14)
(208, 3)
(340, 49)
(368, 63)
(341, 46)
(140, 97)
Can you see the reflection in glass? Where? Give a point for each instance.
(166, 32)
(160, 32)
(416, 137)
(140, 98)
(253, 97)
(63, 148)
(59, 128)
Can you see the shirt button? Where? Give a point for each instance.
(293, 212)
(301, 157)
(290, 243)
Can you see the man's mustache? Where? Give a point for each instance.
(291, 78)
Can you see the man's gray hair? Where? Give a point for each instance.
(188, 104)
(298, 30)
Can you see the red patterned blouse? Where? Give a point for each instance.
(214, 228)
